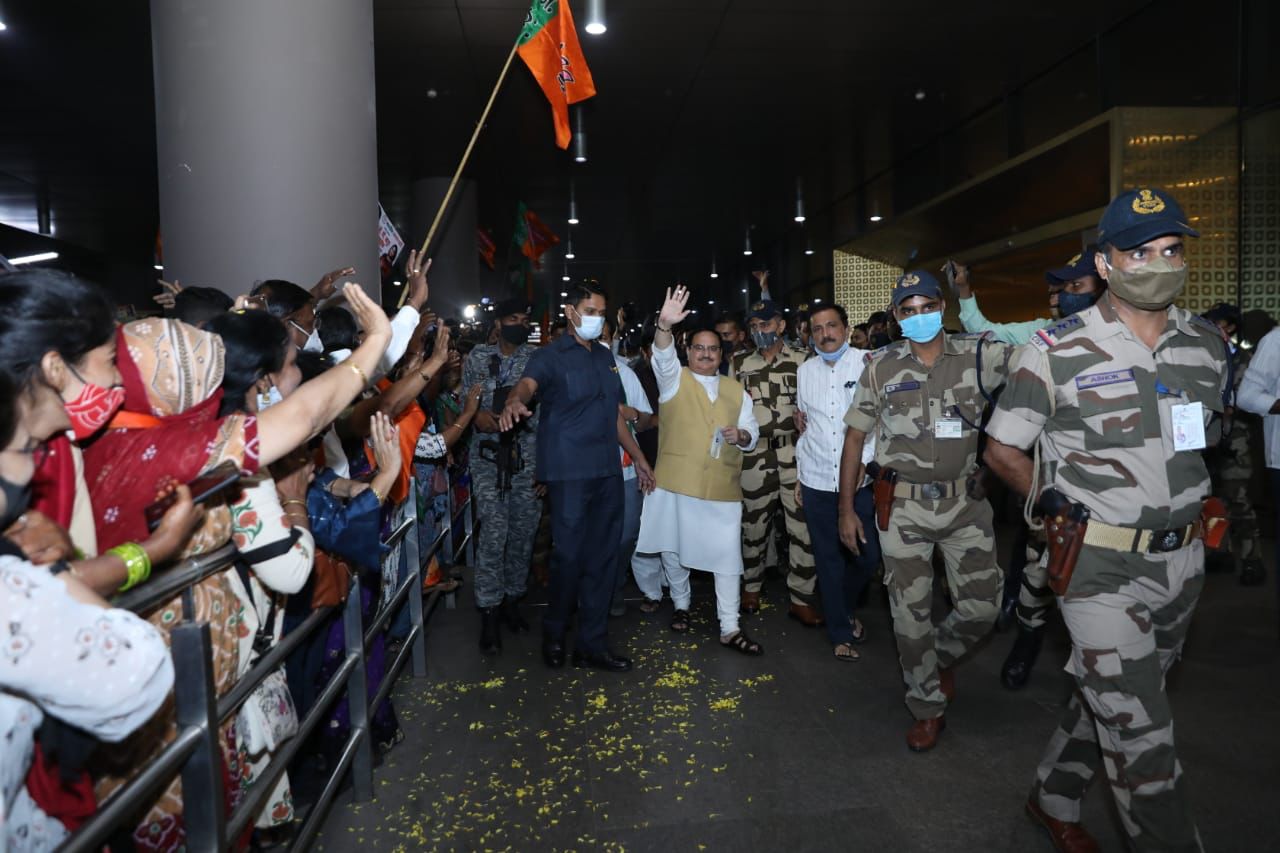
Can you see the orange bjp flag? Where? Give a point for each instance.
(548, 44)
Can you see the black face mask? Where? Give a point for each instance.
(516, 334)
(16, 500)
(880, 339)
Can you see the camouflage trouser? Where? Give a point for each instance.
(1231, 477)
(508, 525)
(961, 528)
(1034, 596)
(768, 488)
(1128, 616)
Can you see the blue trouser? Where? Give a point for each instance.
(586, 527)
(841, 575)
(632, 502)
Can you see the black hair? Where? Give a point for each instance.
(834, 306)
(283, 298)
(47, 310)
(865, 328)
(338, 329)
(8, 408)
(312, 364)
(255, 343)
(197, 305)
(731, 317)
(584, 290)
(878, 317)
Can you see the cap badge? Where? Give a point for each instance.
(1075, 260)
(909, 280)
(1147, 202)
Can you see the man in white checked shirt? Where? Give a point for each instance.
(826, 387)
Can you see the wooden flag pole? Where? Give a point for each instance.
(466, 155)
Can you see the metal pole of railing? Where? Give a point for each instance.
(196, 706)
(469, 523)
(358, 696)
(410, 552)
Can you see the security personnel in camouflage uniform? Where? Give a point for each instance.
(924, 397)
(769, 471)
(1118, 402)
(1232, 467)
(502, 476)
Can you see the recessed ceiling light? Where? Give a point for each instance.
(432, 93)
(875, 217)
(919, 94)
(808, 251)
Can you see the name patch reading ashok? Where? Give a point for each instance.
(910, 385)
(1097, 380)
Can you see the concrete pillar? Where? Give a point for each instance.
(266, 141)
(455, 265)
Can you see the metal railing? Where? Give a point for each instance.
(195, 754)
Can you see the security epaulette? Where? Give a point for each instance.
(1048, 337)
(1212, 327)
(876, 353)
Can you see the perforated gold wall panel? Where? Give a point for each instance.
(1192, 154)
(862, 285)
(1261, 223)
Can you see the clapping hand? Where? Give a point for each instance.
(167, 297)
(372, 319)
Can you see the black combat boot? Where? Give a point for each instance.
(511, 616)
(1022, 658)
(490, 637)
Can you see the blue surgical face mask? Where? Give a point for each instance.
(590, 327)
(1073, 303)
(922, 328)
(764, 340)
(832, 357)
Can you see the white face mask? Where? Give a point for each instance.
(340, 355)
(269, 398)
(313, 343)
(590, 327)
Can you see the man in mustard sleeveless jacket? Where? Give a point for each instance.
(693, 519)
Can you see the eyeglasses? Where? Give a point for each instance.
(705, 348)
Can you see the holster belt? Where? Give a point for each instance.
(1134, 541)
(929, 491)
(779, 441)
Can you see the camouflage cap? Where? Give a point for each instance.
(1136, 216)
(915, 283)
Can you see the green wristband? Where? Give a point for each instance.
(136, 562)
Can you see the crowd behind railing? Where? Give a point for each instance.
(223, 530)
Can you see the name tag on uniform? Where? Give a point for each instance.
(947, 428)
(1188, 426)
(909, 385)
(717, 441)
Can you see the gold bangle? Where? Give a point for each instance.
(297, 501)
(376, 493)
(355, 368)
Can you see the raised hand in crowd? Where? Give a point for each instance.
(328, 283)
(384, 435)
(473, 399)
(168, 295)
(415, 271)
(960, 276)
(311, 408)
(673, 312)
(762, 276)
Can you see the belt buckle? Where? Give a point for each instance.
(1165, 540)
(931, 491)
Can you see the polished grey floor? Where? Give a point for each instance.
(702, 749)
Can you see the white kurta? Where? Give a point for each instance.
(706, 535)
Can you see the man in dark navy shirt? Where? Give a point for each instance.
(580, 427)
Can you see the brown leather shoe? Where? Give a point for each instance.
(750, 602)
(1066, 837)
(923, 734)
(805, 615)
(947, 683)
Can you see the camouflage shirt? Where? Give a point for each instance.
(927, 420)
(772, 386)
(1101, 405)
(485, 365)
